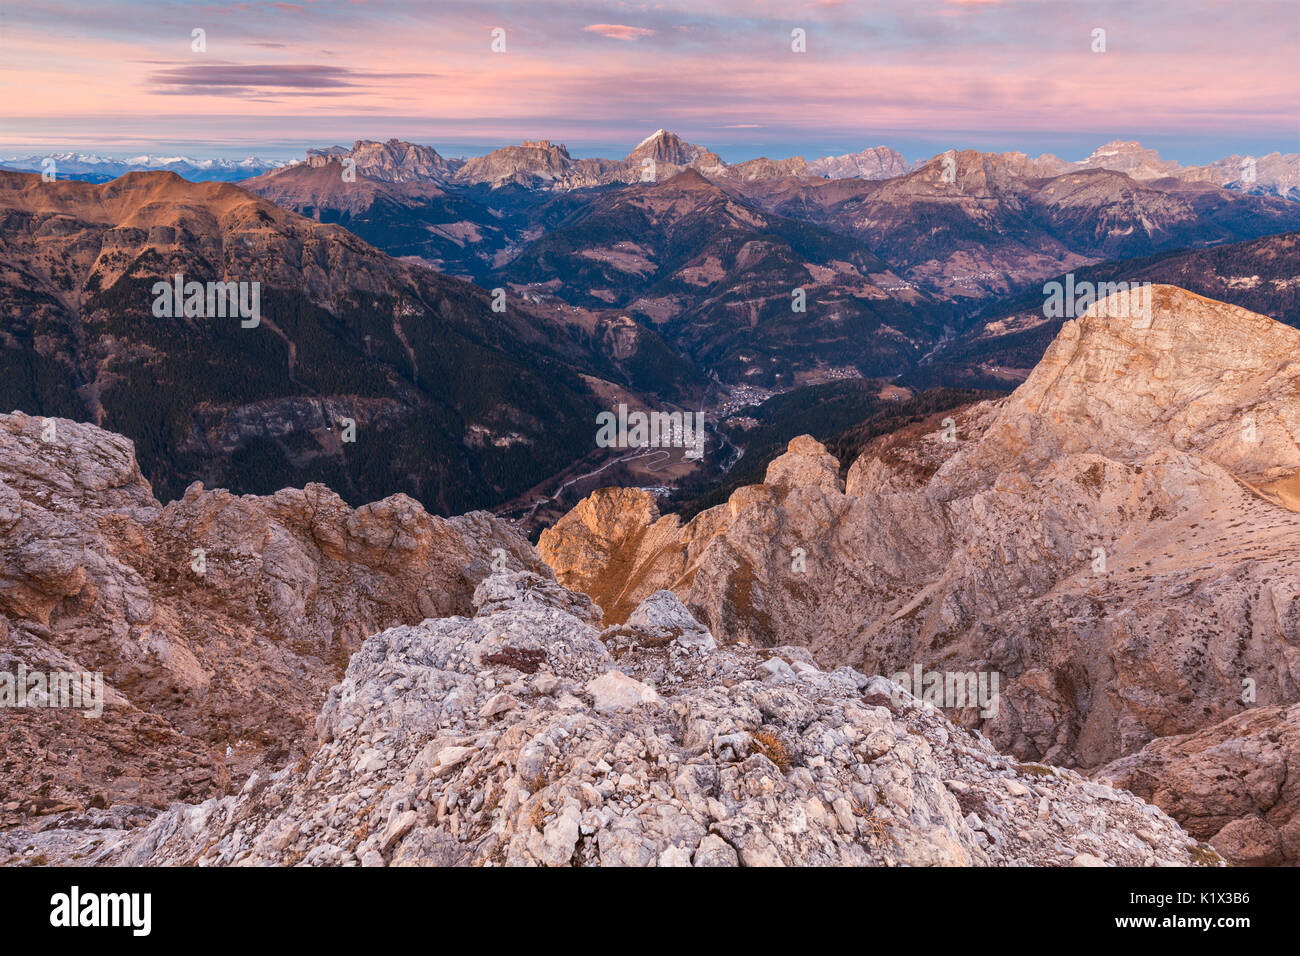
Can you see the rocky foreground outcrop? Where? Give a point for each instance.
(1118, 540)
(218, 621)
(525, 736)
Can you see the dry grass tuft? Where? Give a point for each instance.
(876, 829)
(1035, 770)
(771, 746)
(1203, 855)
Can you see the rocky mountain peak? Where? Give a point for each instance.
(1164, 367)
(805, 464)
(394, 161)
(1152, 453)
(533, 163)
(1130, 157)
(876, 162)
(665, 147)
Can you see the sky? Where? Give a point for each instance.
(1195, 79)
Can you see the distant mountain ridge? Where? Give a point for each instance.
(394, 161)
(96, 168)
(1009, 337)
(1275, 174)
(541, 164)
(971, 225)
(876, 162)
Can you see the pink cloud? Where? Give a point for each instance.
(618, 31)
(937, 67)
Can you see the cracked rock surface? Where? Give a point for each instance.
(482, 740)
(208, 673)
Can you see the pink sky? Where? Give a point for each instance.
(1216, 77)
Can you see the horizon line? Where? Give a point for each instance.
(287, 153)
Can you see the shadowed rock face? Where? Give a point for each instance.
(1236, 784)
(524, 736)
(1115, 539)
(209, 673)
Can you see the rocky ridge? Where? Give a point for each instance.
(543, 165)
(1275, 174)
(524, 736)
(392, 162)
(1117, 539)
(877, 162)
(219, 621)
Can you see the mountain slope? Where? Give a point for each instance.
(1010, 336)
(453, 403)
(443, 229)
(1137, 466)
(717, 277)
(971, 225)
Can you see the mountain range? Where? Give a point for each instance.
(541, 164)
(667, 276)
(963, 225)
(296, 542)
(96, 168)
(639, 691)
(462, 406)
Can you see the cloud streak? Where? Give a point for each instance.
(237, 79)
(617, 31)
